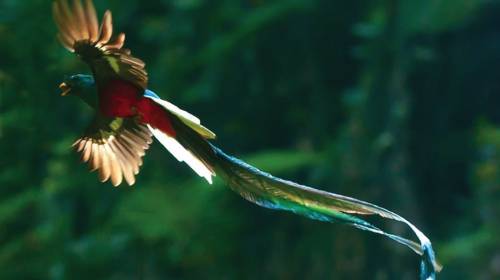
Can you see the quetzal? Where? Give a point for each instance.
(128, 116)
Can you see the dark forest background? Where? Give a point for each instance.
(391, 101)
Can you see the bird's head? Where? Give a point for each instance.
(76, 85)
(82, 86)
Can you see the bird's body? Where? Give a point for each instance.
(118, 98)
(128, 116)
(121, 99)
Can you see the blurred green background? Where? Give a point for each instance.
(390, 101)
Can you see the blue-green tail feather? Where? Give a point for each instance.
(271, 192)
(275, 193)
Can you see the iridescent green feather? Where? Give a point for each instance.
(268, 191)
(275, 193)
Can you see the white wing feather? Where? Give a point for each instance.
(188, 119)
(173, 146)
(182, 154)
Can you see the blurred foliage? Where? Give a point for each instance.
(390, 101)
(482, 240)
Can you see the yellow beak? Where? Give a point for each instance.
(65, 89)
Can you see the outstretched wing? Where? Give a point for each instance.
(114, 147)
(80, 33)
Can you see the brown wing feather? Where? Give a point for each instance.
(116, 153)
(79, 32)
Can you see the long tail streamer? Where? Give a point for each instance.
(271, 192)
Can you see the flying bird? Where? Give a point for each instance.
(128, 116)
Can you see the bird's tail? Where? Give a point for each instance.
(271, 192)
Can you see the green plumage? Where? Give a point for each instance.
(275, 193)
(271, 192)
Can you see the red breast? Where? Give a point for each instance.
(122, 99)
